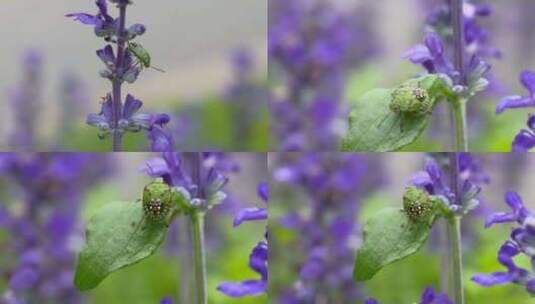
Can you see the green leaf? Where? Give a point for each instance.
(118, 235)
(389, 236)
(373, 126)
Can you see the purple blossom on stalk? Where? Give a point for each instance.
(312, 46)
(332, 186)
(25, 101)
(525, 139)
(258, 259)
(428, 297)
(438, 45)
(115, 117)
(471, 177)
(43, 223)
(521, 241)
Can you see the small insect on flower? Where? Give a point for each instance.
(157, 200)
(142, 56)
(411, 100)
(418, 204)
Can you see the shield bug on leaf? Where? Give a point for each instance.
(157, 200)
(418, 205)
(142, 56)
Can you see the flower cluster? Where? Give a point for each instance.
(121, 66)
(258, 259)
(521, 241)
(332, 186)
(428, 297)
(312, 46)
(525, 139)
(25, 99)
(433, 54)
(470, 176)
(43, 222)
(200, 176)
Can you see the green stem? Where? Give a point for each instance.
(199, 257)
(454, 238)
(459, 118)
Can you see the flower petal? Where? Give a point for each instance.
(514, 102)
(492, 279)
(528, 81)
(250, 214)
(245, 288)
(84, 18)
(131, 106)
(524, 141)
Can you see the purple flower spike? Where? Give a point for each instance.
(522, 240)
(258, 261)
(527, 78)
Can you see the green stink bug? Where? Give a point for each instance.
(411, 100)
(157, 200)
(418, 205)
(142, 56)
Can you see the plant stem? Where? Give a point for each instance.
(459, 107)
(454, 234)
(459, 119)
(118, 80)
(454, 237)
(199, 257)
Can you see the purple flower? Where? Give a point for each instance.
(471, 178)
(122, 65)
(312, 46)
(25, 100)
(258, 259)
(428, 297)
(431, 55)
(525, 139)
(329, 188)
(201, 175)
(254, 214)
(527, 78)
(166, 300)
(521, 240)
(45, 222)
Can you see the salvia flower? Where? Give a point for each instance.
(471, 178)
(123, 65)
(200, 176)
(525, 139)
(429, 296)
(25, 100)
(312, 46)
(331, 188)
(258, 259)
(521, 241)
(43, 224)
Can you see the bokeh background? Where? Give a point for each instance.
(320, 201)
(46, 198)
(351, 46)
(213, 53)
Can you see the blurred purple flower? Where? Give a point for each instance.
(522, 240)
(527, 78)
(428, 297)
(331, 185)
(25, 101)
(53, 186)
(312, 46)
(470, 175)
(258, 259)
